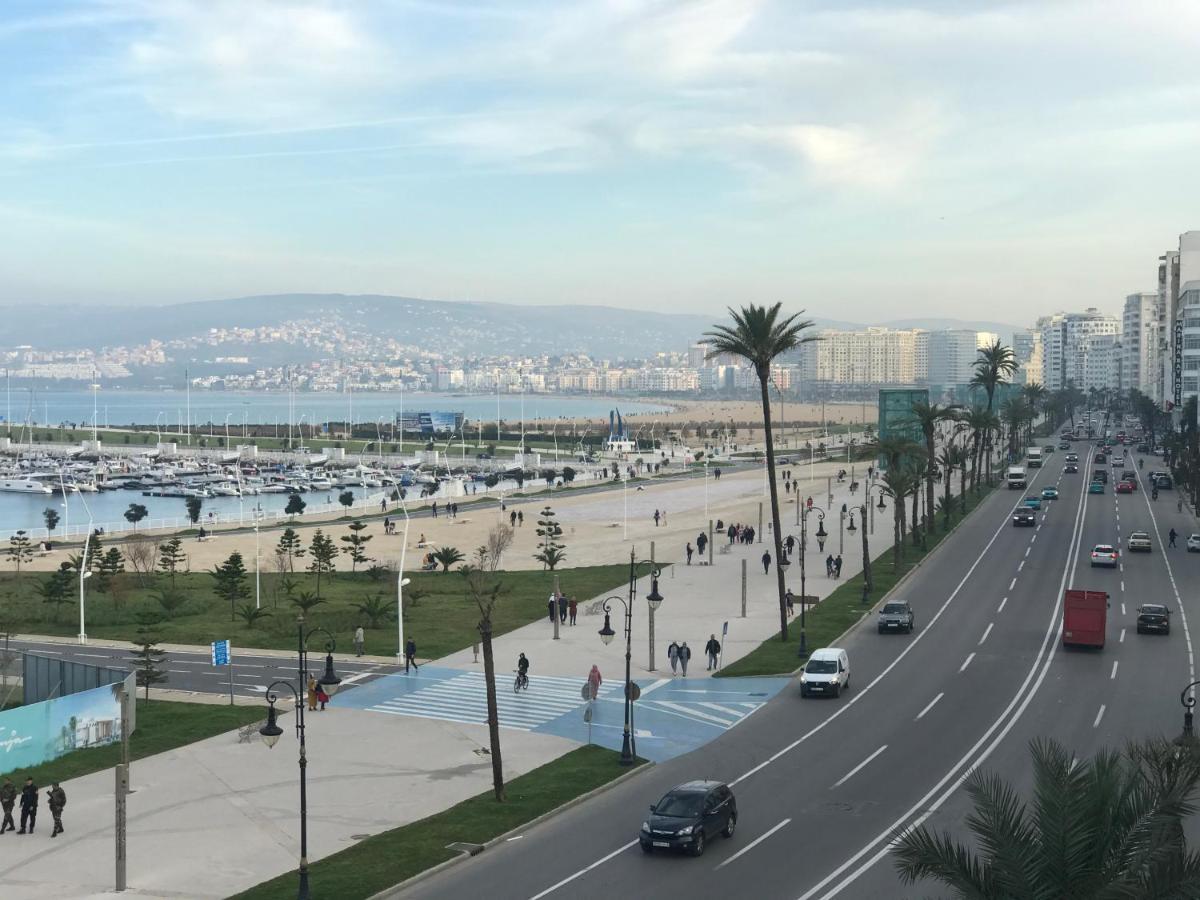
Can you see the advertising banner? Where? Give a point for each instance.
(34, 734)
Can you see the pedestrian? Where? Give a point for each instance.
(383, 505)
(701, 542)
(520, 518)
(562, 609)
(1171, 534)
(322, 697)
(690, 551)
(656, 518)
(732, 532)
(829, 566)
(387, 525)
(664, 512)
(29, 803)
(58, 800)
(8, 797)
(434, 508)
(552, 607)
(808, 503)
(512, 519)
(312, 693)
(410, 655)
(673, 656)
(685, 653)
(790, 599)
(572, 609)
(713, 650)
(837, 566)
(791, 544)
(359, 639)
(454, 510)
(766, 561)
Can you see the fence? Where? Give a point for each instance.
(44, 677)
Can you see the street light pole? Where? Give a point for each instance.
(821, 535)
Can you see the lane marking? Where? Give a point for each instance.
(859, 767)
(1121, 639)
(1123, 608)
(1020, 565)
(1012, 584)
(1000, 608)
(1099, 716)
(1122, 585)
(754, 843)
(1027, 549)
(1113, 676)
(966, 662)
(929, 706)
(986, 632)
(601, 861)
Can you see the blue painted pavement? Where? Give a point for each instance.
(674, 715)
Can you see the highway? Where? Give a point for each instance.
(822, 785)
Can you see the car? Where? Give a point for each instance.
(896, 615)
(827, 672)
(1100, 475)
(1033, 502)
(1073, 457)
(1048, 449)
(1105, 555)
(1138, 541)
(1127, 475)
(688, 815)
(1064, 445)
(1124, 487)
(1049, 493)
(1153, 617)
(783, 461)
(1023, 517)
(1071, 469)
(1096, 487)
(1143, 448)
(1101, 458)
(1193, 543)
(1163, 482)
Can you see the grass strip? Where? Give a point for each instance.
(161, 725)
(393, 856)
(842, 608)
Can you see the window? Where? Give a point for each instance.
(1189, 384)
(1191, 342)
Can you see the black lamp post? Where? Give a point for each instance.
(654, 599)
(868, 585)
(271, 732)
(821, 534)
(1188, 700)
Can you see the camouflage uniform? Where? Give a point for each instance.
(8, 797)
(58, 799)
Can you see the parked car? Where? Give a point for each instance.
(1024, 517)
(1124, 487)
(1104, 555)
(1049, 493)
(896, 615)
(1071, 469)
(1193, 543)
(1153, 617)
(827, 672)
(1096, 487)
(1138, 541)
(688, 815)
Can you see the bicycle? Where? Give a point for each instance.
(522, 681)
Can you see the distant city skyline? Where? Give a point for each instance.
(857, 160)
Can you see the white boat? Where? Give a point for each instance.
(24, 486)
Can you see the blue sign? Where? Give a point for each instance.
(35, 734)
(220, 653)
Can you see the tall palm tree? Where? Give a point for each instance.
(1111, 826)
(1036, 396)
(929, 416)
(978, 420)
(760, 335)
(995, 366)
(898, 481)
(948, 462)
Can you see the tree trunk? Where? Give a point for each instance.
(489, 679)
(766, 405)
(897, 534)
(866, 552)
(916, 520)
(962, 484)
(948, 474)
(930, 464)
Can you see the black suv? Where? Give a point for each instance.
(1153, 617)
(1024, 516)
(688, 815)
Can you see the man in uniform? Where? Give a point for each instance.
(58, 799)
(29, 803)
(8, 797)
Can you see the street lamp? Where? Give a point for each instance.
(1188, 700)
(821, 535)
(653, 600)
(271, 732)
(868, 585)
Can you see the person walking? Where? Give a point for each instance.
(790, 543)
(562, 609)
(790, 599)
(837, 566)
(829, 566)
(520, 518)
(8, 797)
(1171, 535)
(766, 561)
(410, 655)
(673, 656)
(713, 650)
(312, 693)
(701, 542)
(552, 606)
(572, 609)
(809, 503)
(685, 653)
(434, 508)
(29, 805)
(359, 640)
(690, 551)
(656, 518)
(512, 519)
(322, 697)
(57, 798)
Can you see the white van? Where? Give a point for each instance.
(827, 672)
(1034, 457)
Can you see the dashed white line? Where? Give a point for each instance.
(1020, 565)
(754, 843)
(1033, 538)
(1121, 639)
(966, 662)
(1099, 716)
(1027, 549)
(859, 767)
(929, 706)
(1012, 584)
(1122, 585)
(1123, 609)
(1000, 608)
(1116, 663)
(986, 632)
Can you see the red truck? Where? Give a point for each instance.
(1085, 615)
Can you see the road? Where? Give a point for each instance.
(194, 671)
(822, 785)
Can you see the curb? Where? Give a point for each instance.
(397, 889)
(182, 648)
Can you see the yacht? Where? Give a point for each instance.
(23, 485)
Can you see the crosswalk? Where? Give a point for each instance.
(720, 715)
(463, 698)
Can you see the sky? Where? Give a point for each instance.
(860, 160)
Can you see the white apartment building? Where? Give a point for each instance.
(1179, 317)
(1139, 342)
(1065, 339)
(872, 356)
(952, 354)
(1027, 350)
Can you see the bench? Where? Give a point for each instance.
(247, 733)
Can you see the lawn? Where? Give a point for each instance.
(161, 725)
(442, 621)
(841, 609)
(389, 858)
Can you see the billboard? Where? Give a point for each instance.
(430, 422)
(38, 733)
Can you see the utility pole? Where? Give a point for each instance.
(743, 587)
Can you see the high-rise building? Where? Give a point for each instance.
(1179, 315)
(1139, 339)
(696, 355)
(874, 356)
(1066, 344)
(952, 355)
(1027, 351)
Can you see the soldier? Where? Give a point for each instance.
(29, 803)
(58, 799)
(8, 796)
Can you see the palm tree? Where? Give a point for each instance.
(995, 365)
(1111, 826)
(929, 416)
(948, 461)
(897, 482)
(448, 556)
(1037, 397)
(759, 336)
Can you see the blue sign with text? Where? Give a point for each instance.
(220, 653)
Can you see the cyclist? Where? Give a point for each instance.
(1154, 494)
(523, 670)
(1172, 535)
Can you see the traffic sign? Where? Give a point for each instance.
(585, 691)
(221, 651)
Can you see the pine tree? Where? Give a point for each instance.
(356, 544)
(295, 505)
(147, 658)
(50, 517)
(230, 578)
(94, 551)
(290, 546)
(56, 590)
(112, 563)
(135, 514)
(552, 550)
(323, 553)
(171, 557)
(19, 549)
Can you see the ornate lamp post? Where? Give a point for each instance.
(866, 507)
(1188, 700)
(654, 600)
(821, 535)
(271, 732)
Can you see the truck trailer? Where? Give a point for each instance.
(1085, 618)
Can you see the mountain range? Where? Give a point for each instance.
(451, 328)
